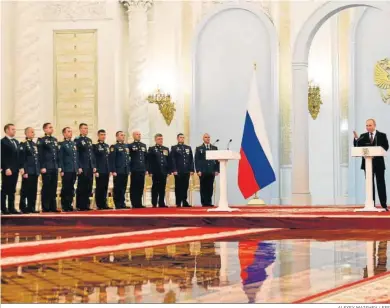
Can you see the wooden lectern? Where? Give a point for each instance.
(223, 156)
(368, 153)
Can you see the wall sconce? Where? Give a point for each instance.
(165, 105)
(314, 100)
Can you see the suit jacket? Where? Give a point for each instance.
(378, 163)
(68, 157)
(202, 164)
(9, 155)
(182, 159)
(102, 153)
(86, 154)
(28, 155)
(138, 156)
(48, 152)
(158, 160)
(119, 158)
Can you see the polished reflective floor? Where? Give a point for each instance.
(283, 266)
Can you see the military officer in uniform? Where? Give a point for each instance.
(88, 166)
(206, 170)
(120, 168)
(138, 163)
(29, 169)
(102, 151)
(158, 168)
(68, 168)
(48, 162)
(9, 169)
(182, 161)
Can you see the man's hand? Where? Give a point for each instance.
(25, 175)
(146, 173)
(80, 170)
(62, 173)
(94, 170)
(191, 173)
(216, 173)
(199, 174)
(21, 171)
(114, 173)
(97, 174)
(8, 172)
(355, 135)
(149, 174)
(174, 173)
(43, 170)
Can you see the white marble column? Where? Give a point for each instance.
(27, 91)
(137, 53)
(300, 140)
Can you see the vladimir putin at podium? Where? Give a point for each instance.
(374, 138)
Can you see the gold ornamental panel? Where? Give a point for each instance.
(75, 78)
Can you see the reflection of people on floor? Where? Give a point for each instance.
(138, 292)
(208, 265)
(254, 258)
(381, 263)
(170, 297)
(102, 295)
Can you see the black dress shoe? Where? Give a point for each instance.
(34, 212)
(162, 205)
(187, 205)
(386, 209)
(56, 211)
(5, 212)
(14, 212)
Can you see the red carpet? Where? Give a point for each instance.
(296, 217)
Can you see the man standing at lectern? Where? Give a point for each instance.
(374, 138)
(207, 170)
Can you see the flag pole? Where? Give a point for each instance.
(256, 200)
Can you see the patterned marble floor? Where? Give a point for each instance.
(278, 267)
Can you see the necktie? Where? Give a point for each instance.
(207, 147)
(371, 138)
(13, 142)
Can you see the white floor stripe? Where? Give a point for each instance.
(98, 250)
(93, 237)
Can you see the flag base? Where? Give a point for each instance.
(256, 201)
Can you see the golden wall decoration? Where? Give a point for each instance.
(314, 100)
(166, 106)
(75, 72)
(382, 79)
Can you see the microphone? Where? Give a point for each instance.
(216, 141)
(227, 148)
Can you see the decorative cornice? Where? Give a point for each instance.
(131, 5)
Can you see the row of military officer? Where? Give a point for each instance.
(82, 160)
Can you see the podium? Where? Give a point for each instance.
(223, 156)
(368, 153)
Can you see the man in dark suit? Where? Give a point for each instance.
(9, 169)
(375, 138)
(120, 168)
(30, 171)
(138, 166)
(87, 164)
(206, 170)
(48, 161)
(158, 168)
(102, 175)
(68, 168)
(182, 161)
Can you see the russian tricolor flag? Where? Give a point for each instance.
(255, 167)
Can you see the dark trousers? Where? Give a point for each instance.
(206, 188)
(137, 185)
(28, 193)
(49, 190)
(8, 189)
(381, 185)
(84, 189)
(67, 190)
(101, 190)
(182, 180)
(158, 189)
(120, 184)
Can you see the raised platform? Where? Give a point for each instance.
(302, 217)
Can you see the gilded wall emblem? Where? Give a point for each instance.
(382, 79)
(314, 100)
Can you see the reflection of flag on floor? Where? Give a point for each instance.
(255, 167)
(254, 257)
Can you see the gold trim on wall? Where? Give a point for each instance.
(344, 23)
(75, 72)
(285, 81)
